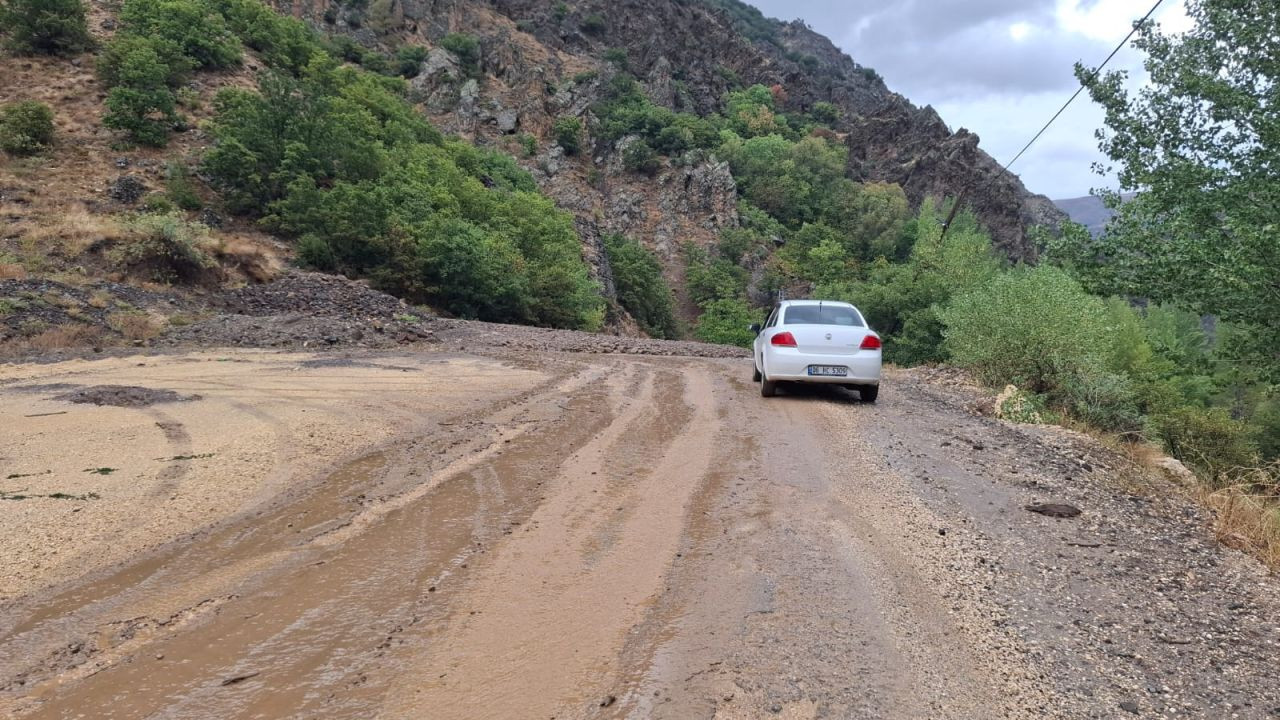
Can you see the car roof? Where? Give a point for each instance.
(815, 302)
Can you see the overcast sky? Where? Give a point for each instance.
(1000, 68)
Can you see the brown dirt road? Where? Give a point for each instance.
(538, 534)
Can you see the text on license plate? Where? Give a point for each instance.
(836, 370)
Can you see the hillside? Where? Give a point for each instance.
(650, 117)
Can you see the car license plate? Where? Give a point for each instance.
(828, 370)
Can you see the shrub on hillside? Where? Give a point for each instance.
(118, 63)
(164, 248)
(141, 103)
(466, 48)
(56, 27)
(341, 161)
(825, 113)
(285, 42)
(179, 187)
(568, 134)
(640, 158)
(409, 59)
(1033, 328)
(593, 24)
(709, 277)
(26, 127)
(1208, 439)
(642, 291)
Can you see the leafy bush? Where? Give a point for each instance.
(640, 158)
(26, 127)
(409, 60)
(568, 134)
(642, 291)
(1104, 400)
(466, 48)
(794, 182)
(119, 61)
(55, 27)
(712, 278)
(528, 144)
(179, 188)
(1207, 439)
(727, 322)
(751, 113)
(593, 24)
(617, 57)
(165, 247)
(1033, 328)
(825, 113)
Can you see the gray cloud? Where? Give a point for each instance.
(960, 56)
(939, 50)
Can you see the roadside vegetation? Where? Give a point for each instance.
(1163, 330)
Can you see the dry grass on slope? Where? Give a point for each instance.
(57, 204)
(1245, 502)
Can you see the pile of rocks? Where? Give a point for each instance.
(311, 294)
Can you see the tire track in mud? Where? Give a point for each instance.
(546, 618)
(794, 595)
(302, 607)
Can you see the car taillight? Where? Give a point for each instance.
(870, 342)
(783, 339)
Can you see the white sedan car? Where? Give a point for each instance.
(817, 341)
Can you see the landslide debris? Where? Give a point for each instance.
(123, 396)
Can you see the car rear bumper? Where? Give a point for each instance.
(787, 365)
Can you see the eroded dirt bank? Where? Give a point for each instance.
(534, 534)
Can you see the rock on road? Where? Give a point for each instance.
(538, 534)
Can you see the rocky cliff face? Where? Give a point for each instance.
(539, 61)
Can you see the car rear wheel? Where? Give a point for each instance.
(868, 393)
(768, 388)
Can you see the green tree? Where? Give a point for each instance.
(141, 104)
(642, 291)
(55, 27)
(727, 322)
(640, 158)
(751, 113)
(902, 300)
(197, 29)
(1200, 143)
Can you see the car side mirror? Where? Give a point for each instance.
(754, 328)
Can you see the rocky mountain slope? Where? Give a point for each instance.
(541, 61)
(522, 67)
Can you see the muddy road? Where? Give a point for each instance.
(565, 535)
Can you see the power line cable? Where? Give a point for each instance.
(1092, 76)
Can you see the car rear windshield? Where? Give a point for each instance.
(822, 315)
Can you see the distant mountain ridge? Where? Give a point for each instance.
(1089, 211)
